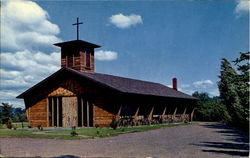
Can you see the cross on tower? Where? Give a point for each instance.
(77, 26)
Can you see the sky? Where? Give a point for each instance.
(147, 40)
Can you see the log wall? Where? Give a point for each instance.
(102, 113)
(37, 114)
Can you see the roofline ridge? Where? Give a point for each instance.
(128, 78)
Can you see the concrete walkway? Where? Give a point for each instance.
(192, 141)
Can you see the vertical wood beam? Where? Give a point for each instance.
(185, 110)
(174, 113)
(136, 114)
(87, 113)
(192, 114)
(57, 110)
(82, 111)
(183, 115)
(28, 115)
(52, 113)
(119, 113)
(151, 113)
(76, 113)
(164, 112)
(66, 61)
(47, 112)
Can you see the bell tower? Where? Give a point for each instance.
(78, 54)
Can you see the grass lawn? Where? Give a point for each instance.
(82, 132)
(30, 134)
(15, 124)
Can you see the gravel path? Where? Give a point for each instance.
(193, 141)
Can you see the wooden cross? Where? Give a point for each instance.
(77, 26)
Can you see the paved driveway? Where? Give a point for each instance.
(202, 140)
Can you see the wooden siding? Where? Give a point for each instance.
(61, 92)
(38, 114)
(103, 112)
(78, 61)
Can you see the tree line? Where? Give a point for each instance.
(8, 113)
(232, 106)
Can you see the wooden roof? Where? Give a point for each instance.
(121, 84)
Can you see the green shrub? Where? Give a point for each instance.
(73, 132)
(8, 125)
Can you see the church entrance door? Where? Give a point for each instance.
(69, 106)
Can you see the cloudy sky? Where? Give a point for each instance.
(153, 41)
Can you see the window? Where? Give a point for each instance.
(88, 59)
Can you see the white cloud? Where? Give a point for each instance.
(207, 86)
(25, 25)
(203, 83)
(242, 7)
(105, 55)
(214, 92)
(185, 85)
(23, 69)
(125, 21)
(25, 28)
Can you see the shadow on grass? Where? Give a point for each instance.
(235, 144)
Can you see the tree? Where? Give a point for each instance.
(234, 90)
(7, 112)
(243, 82)
(209, 109)
(19, 115)
(1, 114)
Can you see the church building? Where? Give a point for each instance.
(77, 96)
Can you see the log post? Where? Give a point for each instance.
(174, 114)
(150, 116)
(151, 113)
(136, 114)
(52, 113)
(163, 113)
(192, 114)
(57, 110)
(87, 114)
(119, 113)
(28, 114)
(183, 115)
(47, 112)
(82, 112)
(66, 61)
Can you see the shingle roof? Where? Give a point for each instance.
(77, 43)
(124, 85)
